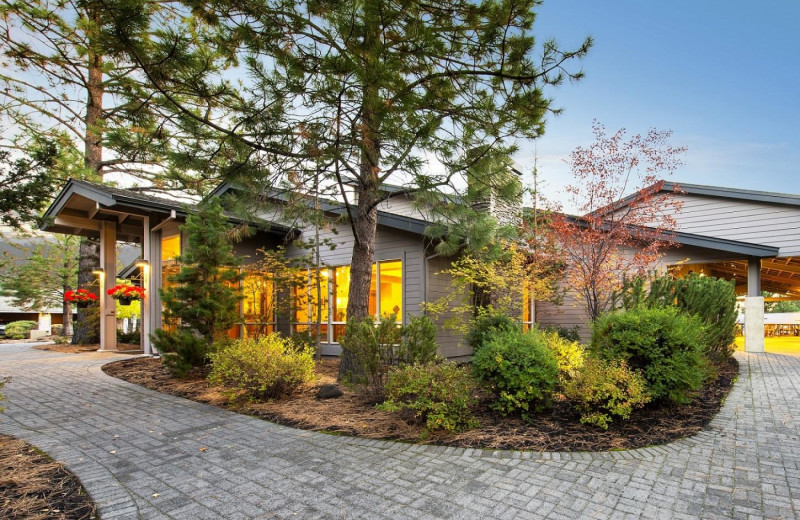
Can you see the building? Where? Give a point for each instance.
(749, 236)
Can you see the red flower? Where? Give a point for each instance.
(81, 295)
(131, 292)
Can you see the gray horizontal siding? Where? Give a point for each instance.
(451, 342)
(746, 221)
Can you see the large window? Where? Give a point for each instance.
(310, 302)
(385, 298)
(170, 251)
(258, 304)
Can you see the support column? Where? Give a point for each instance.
(754, 309)
(108, 279)
(146, 305)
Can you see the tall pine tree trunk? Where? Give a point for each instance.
(93, 156)
(365, 220)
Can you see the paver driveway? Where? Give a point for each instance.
(145, 455)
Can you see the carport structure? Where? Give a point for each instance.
(759, 233)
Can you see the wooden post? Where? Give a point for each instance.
(146, 304)
(108, 279)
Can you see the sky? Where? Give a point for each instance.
(724, 76)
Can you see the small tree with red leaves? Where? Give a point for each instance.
(617, 236)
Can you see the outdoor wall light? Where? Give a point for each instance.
(98, 271)
(141, 262)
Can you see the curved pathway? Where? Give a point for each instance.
(141, 454)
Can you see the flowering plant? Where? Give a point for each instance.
(79, 296)
(130, 292)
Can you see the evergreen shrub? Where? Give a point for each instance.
(372, 347)
(419, 342)
(666, 345)
(487, 325)
(439, 395)
(712, 300)
(20, 329)
(201, 303)
(520, 370)
(266, 367)
(603, 390)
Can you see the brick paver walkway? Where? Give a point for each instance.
(145, 455)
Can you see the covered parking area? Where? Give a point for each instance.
(780, 279)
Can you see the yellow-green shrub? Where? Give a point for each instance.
(519, 369)
(602, 389)
(570, 355)
(266, 367)
(441, 395)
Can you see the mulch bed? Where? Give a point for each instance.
(353, 414)
(34, 487)
(78, 349)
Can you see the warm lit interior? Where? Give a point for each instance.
(258, 304)
(527, 315)
(385, 298)
(170, 250)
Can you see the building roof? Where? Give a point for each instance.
(81, 202)
(385, 218)
(735, 247)
(784, 199)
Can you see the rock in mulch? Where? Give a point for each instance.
(329, 392)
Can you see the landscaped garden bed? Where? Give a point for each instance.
(32, 486)
(353, 413)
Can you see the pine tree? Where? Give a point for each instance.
(39, 277)
(203, 302)
(376, 91)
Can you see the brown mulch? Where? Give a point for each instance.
(77, 349)
(34, 487)
(353, 414)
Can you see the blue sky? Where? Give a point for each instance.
(724, 76)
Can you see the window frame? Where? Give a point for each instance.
(329, 334)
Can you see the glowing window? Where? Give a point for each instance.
(341, 289)
(390, 279)
(527, 307)
(258, 304)
(170, 247)
(170, 250)
(306, 308)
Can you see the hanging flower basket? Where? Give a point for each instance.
(125, 294)
(82, 297)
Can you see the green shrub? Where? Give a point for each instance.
(266, 367)
(602, 389)
(304, 340)
(181, 350)
(439, 395)
(20, 329)
(570, 354)
(419, 342)
(711, 299)
(665, 344)
(569, 334)
(487, 325)
(372, 348)
(133, 337)
(520, 369)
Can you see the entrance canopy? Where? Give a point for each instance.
(82, 207)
